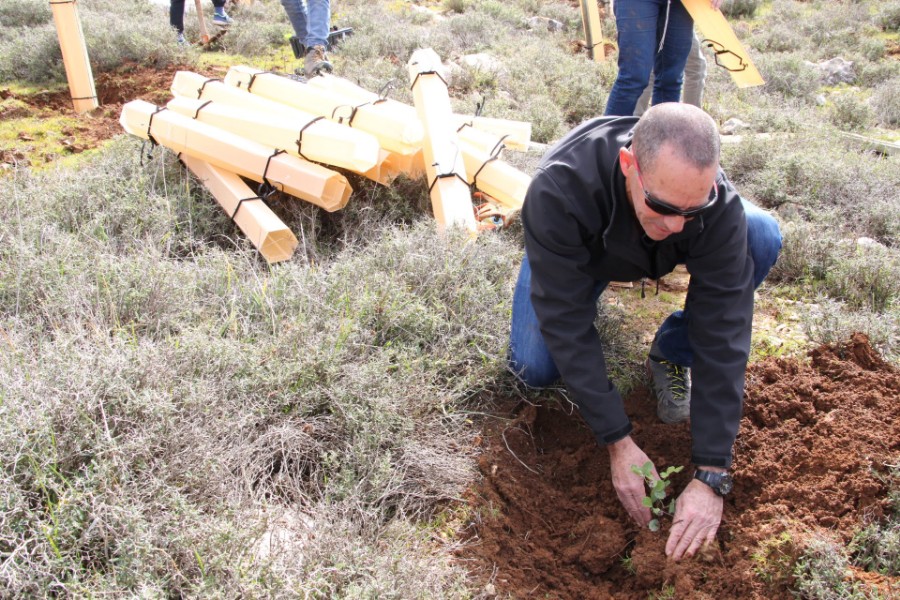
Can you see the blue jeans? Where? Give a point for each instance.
(311, 20)
(529, 357)
(176, 13)
(640, 25)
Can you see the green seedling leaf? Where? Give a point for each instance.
(672, 507)
(653, 525)
(647, 502)
(668, 472)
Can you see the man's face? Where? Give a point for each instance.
(672, 180)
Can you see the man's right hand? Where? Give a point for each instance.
(629, 485)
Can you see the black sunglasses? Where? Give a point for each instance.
(666, 209)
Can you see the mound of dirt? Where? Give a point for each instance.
(547, 523)
(131, 82)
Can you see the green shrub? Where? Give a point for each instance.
(849, 113)
(877, 547)
(830, 321)
(777, 37)
(789, 75)
(886, 103)
(740, 8)
(24, 13)
(889, 16)
(820, 573)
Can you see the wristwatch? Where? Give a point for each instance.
(721, 483)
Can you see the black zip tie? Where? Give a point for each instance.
(202, 87)
(94, 97)
(479, 106)
(252, 80)
(62, 2)
(353, 110)
(159, 109)
(241, 201)
(266, 184)
(300, 136)
(201, 107)
(495, 154)
(382, 95)
(150, 138)
(499, 146)
(464, 125)
(445, 175)
(413, 85)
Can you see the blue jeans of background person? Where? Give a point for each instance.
(176, 13)
(528, 354)
(640, 25)
(311, 20)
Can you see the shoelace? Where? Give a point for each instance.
(677, 376)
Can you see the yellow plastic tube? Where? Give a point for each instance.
(494, 177)
(517, 134)
(289, 174)
(75, 56)
(721, 39)
(254, 218)
(451, 198)
(302, 135)
(395, 132)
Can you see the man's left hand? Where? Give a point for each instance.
(698, 513)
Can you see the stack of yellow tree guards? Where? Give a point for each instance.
(299, 138)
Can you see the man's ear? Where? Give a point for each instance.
(626, 160)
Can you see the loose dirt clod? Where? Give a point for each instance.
(548, 518)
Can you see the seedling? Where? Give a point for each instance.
(656, 501)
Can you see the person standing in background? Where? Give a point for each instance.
(311, 20)
(694, 81)
(176, 16)
(653, 35)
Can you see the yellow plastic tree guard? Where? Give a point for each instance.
(261, 226)
(312, 138)
(289, 174)
(720, 37)
(395, 132)
(517, 133)
(74, 54)
(192, 85)
(593, 33)
(494, 177)
(451, 198)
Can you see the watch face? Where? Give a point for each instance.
(725, 485)
(721, 483)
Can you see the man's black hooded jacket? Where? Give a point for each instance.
(581, 229)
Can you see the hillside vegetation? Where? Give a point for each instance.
(178, 419)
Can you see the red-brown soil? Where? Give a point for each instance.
(547, 523)
(128, 83)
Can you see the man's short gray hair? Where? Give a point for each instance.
(690, 131)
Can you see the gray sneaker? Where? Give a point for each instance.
(672, 385)
(316, 61)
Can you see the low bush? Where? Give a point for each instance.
(789, 75)
(888, 17)
(737, 9)
(849, 113)
(24, 13)
(886, 102)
